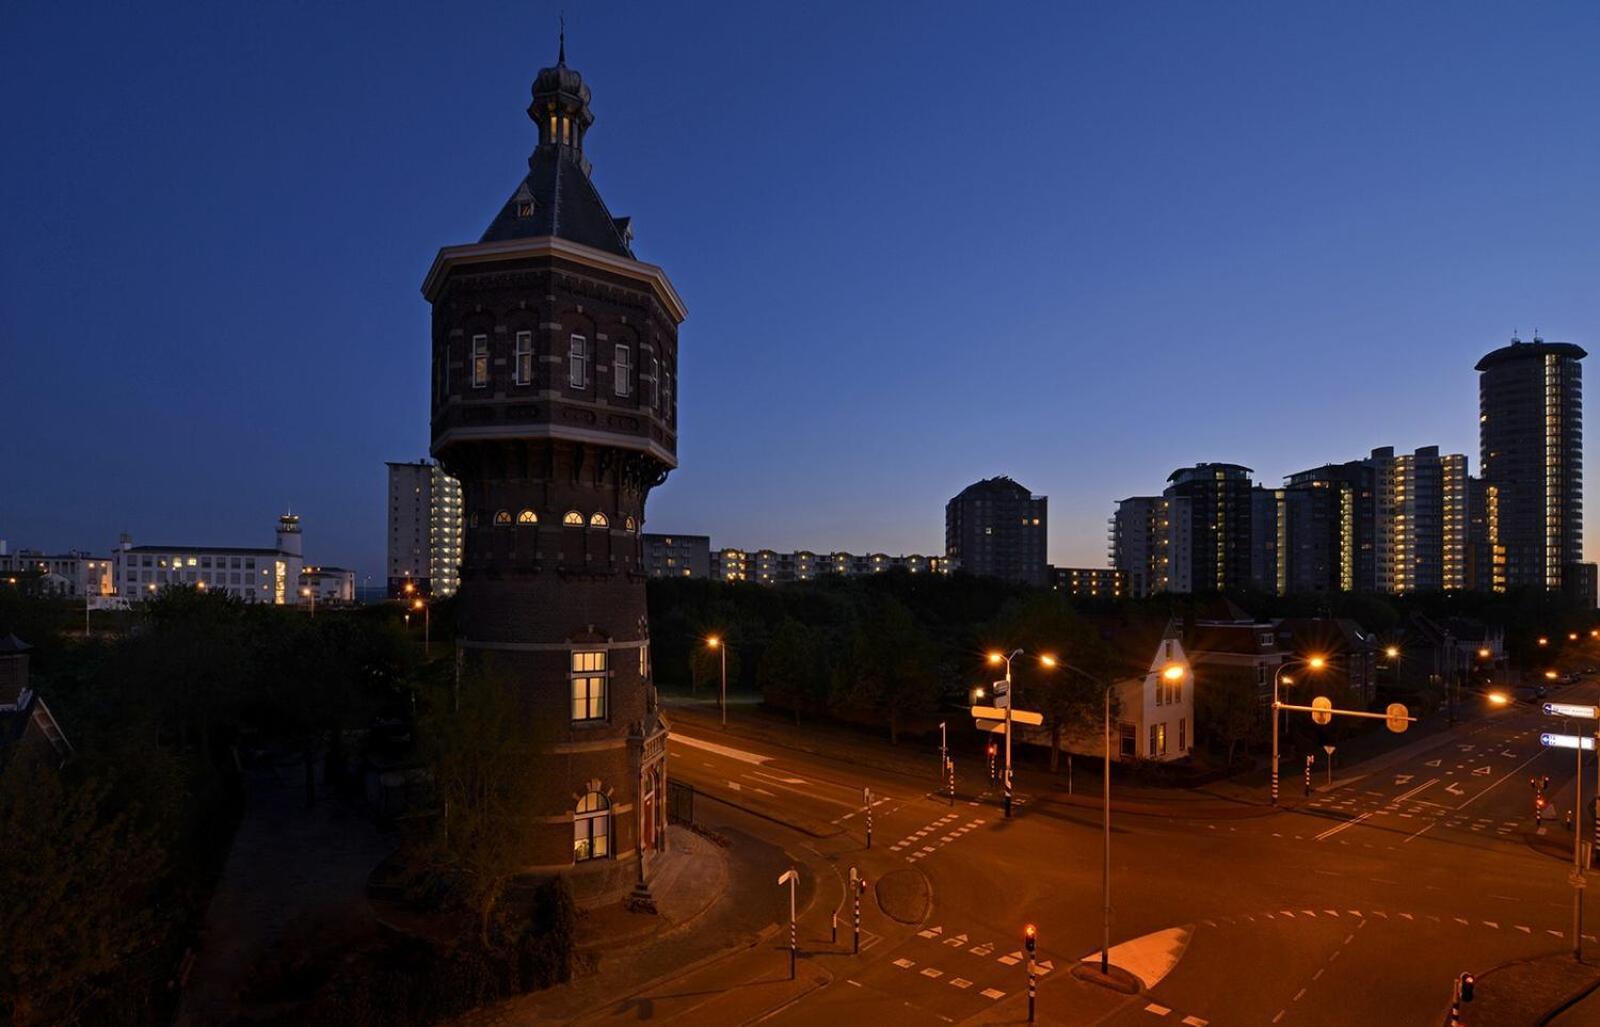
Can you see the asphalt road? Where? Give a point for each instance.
(1357, 907)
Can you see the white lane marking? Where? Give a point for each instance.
(1159, 1010)
(721, 750)
(905, 964)
(929, 971)
(1330, 832)
(992, 993)
(1497, 783)
(1195, 1021)
(960, 982)
(781, 780)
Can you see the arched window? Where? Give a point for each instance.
(572, 519)
(598, 520)
(502, 517)
(629, 524)
(527, 517)
(474, 519)
(591, 828)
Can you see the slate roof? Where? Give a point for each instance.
(565, 204)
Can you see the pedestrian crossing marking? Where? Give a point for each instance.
(929, 971)
(931, 932)
(992, 993)
(960, 982)
(1158, 1010)
(982, 950)
(905, 964)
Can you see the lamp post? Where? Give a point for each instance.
(312, 596)
(715, 642)
(995, 659)
(1315, 663)
(427, 617)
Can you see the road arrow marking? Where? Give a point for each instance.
(1482, 772)
(1455, 789)
(1401, 779)
(1433, 763)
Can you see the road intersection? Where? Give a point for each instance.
(1358, 904)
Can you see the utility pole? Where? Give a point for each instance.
(858, 885)
(789, 877)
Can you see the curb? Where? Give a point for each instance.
(1570, 1002)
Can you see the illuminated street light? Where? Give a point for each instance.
(1173, 672)
(1572, 636)
(427, 617)
(715, 642)
(1393, 652)
(1543, 640)
(1314, 663)
(1484, 654)
(1550, 675)
(995, 659)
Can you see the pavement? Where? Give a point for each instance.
(1533, 992)
(1358, 905)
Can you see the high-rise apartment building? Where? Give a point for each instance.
(1209, 511)
(1530, 427)
(1332, 514)
(424, 529)
(996, 528)
(1140, 544)
(1269, 540)
(1423, 521)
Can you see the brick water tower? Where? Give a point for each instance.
(555, 354)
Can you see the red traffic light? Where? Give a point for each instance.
(1030, 931)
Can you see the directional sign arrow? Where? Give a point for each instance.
(1585, 742)
(1455, 789)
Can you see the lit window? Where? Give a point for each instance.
(589, 685)
(629, 524)
(598, 520)
(480, 361)
(502, 517)
(578, 362)
(591, 828)
(524, 361)
(622, 371)
(572, 519)
(527, 517)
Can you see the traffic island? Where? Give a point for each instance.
(904, 895)
(1115, 978)
(1528, 992)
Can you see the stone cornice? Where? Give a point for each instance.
(451, 257)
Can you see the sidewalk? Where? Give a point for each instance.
(1531, 992)
(626, 976)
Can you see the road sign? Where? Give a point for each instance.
(1585, 742)
(1562, 709)
(1329, 750)
(788, 875)
(1002, 688)
(1002, 700)
(1321, 706)
(1017, 716)
(1399, 718)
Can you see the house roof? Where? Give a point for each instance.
(1324, 635)
(1244, 638)
(10, 644)
(566, 204)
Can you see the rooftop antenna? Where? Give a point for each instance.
(1514, 339)
(1536, 336)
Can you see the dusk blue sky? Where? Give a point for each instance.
(920, 244)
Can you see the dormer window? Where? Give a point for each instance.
(525, 210)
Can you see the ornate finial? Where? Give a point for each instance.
(561, 56)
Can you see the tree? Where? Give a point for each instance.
(1069, 695)
(890, 671)
(705, 665)
(487, 763)
(1227, 709)
(790, 672)
(75, 870)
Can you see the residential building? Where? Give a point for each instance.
(1484, 562)
(1155, 713)
(1236, 649)
(1141, 544)
(334, 585)
(74, 574)
(677, 556)
(1530, 427)
(1269, 540)
(29, 734)
(1584, 586)
(554, 357)
(1088, 582)
(425, 527)
(770, 567)
(1351, 652)
(1210, 514)
(1426, 502)
(996, 528)
(255, 575)
(1331, 522)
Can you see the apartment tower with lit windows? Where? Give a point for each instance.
(1530, 429)
(554, 354)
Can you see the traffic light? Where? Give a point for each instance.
(1467, 982)
(1030, 938)
(861, 886)
(991, 748)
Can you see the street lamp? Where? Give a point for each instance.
(995, 659)
(715, 642)
(427, 617)
(311, 595)
(1543, 640)
(1312, 663)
